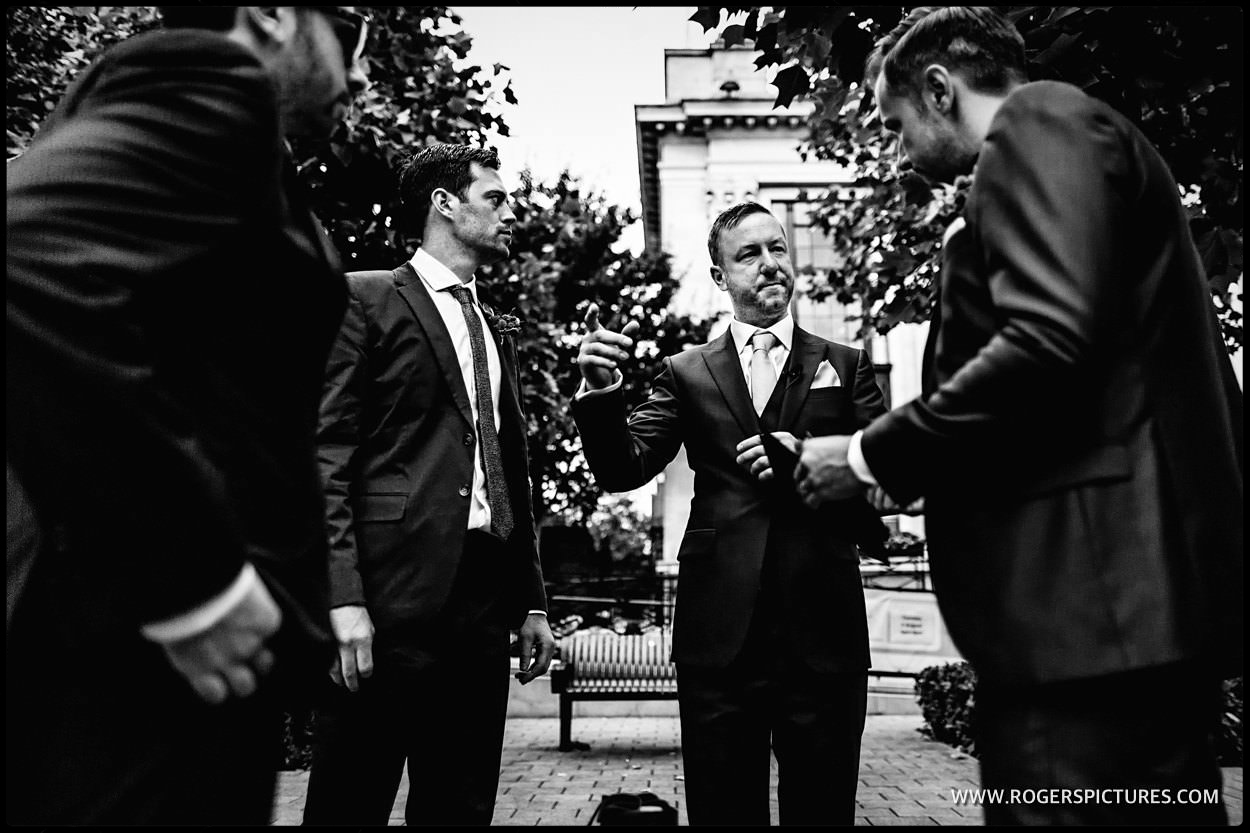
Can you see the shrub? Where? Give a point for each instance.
(297, 739)
(947, 695)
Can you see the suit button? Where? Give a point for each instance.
(468, 439)
(464, 491)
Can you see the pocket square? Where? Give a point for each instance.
(826, 376)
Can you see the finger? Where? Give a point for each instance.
(241, 680)
(336, 672)
(760, 464)
(546, 650)
(610, 338)
(748, 457)
(527, 659)
(262, 663)
(348, 658)
(604, 351)
(631, 329)
(597, 361)
(364, 660)
(211, 688)
(592, 318)
(749, 442)
(766, 474)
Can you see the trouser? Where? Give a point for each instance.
(437, 700)
(1127, 748)
(769, 697)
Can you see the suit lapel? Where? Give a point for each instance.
(722, 362)
(805, 355)
(410, 288)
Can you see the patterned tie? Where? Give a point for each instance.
(492, 460)
(763, 374)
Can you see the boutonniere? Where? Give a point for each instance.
(505, 324)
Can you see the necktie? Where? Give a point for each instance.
(488, 437)
(763, 374)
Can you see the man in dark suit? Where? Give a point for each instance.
(1081, 453)
(770, 635)
(433, 554)
(161, 407)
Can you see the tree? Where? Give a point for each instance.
(1177, 72)
(566, 254)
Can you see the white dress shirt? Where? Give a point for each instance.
(438, 281)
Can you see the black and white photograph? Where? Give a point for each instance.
(624, 415)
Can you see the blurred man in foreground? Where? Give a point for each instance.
(170, 304)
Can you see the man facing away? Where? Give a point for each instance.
(161, 402)
(770, 634)
(433, 554)
(1080, 451)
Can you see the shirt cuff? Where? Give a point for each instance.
(583, 391)
(202, 618)
(855, 458)
(538, 612)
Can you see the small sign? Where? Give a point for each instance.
(913, 625)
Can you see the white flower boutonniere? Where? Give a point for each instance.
(504, 324)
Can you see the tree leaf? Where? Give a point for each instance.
(790, 82)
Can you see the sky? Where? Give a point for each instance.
(577, 73)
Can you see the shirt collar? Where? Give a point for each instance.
(437, 276)
(783, 330)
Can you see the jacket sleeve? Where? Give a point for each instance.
(625, 453)
(154, 171)
(867, 395)
(338, 439)
(1047, 206)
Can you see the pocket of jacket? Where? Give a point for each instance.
(387, 506)
(696, 543)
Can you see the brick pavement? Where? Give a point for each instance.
(905, 778)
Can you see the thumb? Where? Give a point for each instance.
(592, 318)
(630, 329)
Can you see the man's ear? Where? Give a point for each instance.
(939, 91)
(269, 24)
(444, 201)
(718, 277)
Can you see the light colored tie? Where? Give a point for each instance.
(763, 374)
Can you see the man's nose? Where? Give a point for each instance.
(358, 78)
(769, 264)
(901, 163)
(507, 217)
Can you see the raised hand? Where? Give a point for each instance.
(752, 457)
(602, 350)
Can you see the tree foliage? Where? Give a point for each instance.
(1177, 72)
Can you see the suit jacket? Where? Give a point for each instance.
(1081, 453)
(397, 444)
(700, 399)
(161, 389)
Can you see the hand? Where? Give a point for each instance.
(602, 350)
(751, 454)
(354, 630)
(229, 657)
(883, 503)
(537, 645)
(826, 474)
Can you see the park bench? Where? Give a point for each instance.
(605, 665)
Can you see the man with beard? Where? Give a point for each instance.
(1079, 449)
(770, 634)
(433, 553)
(161, 400)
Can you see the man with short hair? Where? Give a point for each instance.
(770, 634)
(433, 552)
(161, 398)
(1080, 450)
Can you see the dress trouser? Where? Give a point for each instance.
(1118, 742)
(437, 701)
(768, 696)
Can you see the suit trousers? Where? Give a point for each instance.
(437, 701)
(769, 695)
(1137, 731)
